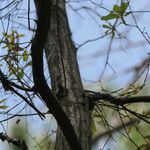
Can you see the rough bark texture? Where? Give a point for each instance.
(65, 77)
(44, 9)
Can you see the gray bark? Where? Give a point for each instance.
(44, 9)
(65, 76)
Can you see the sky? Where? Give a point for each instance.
(86, 25)
(85, 28)
(93, 55)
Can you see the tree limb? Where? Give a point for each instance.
(19, 143)
(7, 87)
(114, 129)
(43, 8)
(119, 101)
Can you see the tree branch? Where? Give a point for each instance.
(97, 96)
(7, 87)
(43, 8)
(117, 128)
(19, 143)
(114, 129)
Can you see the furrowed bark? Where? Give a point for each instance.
(43, 8)
(65, 77)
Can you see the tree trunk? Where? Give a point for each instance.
(65, 77)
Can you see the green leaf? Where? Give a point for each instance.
(21, 35)
(93, 126)
(3, 107)
(13, 31)
(107, 31)
(21, 74)
(12, 39)
(147, 138)
(120, 10)
(1, 101)
(29, 64)
(10, 73)
(6, 35)
(25, 56)
(110, 16)
(10, 46)
(129, 129)
(106, 26)
(124, 6)
(4, 47)
(144, 147)
(117, 9)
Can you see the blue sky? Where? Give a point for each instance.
(85, 28)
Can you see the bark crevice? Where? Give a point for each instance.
(62, 61)
(44, 12)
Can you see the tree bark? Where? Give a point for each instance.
(65, 77)
(43, 9)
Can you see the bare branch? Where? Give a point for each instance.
(7, 87)
(113, 130)
(95, 97)
(19, 143)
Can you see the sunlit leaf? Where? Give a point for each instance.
(124, 6)
(118, 12)
(110, 16)
(121, 9)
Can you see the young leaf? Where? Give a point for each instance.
(120, 10)
(117, 9)
(1, 101)
(25, 55)
(110, 16)
(29, 64)
(12, 39)
(21, 35)
(21, 74)
(106, 26)
(124, 6)
(3, 107)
